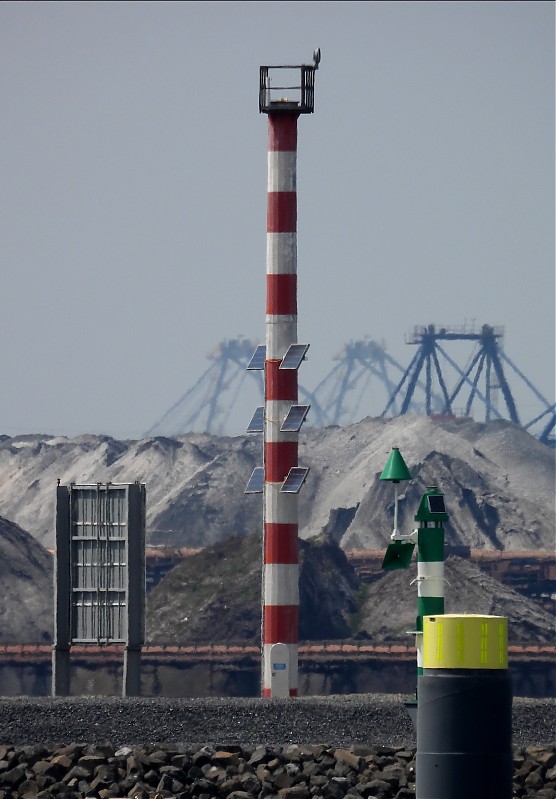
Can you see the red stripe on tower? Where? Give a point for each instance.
(281, 294)
(281, 592)
(281, 384)
(282, 212)
(284, 135)
(280, 456)
(281, 623)
(280, 543)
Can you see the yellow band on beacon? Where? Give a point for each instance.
(454, 641)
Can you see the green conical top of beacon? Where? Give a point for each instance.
(396, 469)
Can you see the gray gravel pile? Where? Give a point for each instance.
(340, 721)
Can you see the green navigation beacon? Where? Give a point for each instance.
(399, 552)
(429, 539)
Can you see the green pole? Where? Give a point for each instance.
(430, 563)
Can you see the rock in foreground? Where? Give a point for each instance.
(102, 771)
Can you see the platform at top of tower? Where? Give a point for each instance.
(297, 81)
(453, 332)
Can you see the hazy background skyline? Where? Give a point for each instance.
(133, 192)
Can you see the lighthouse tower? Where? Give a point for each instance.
(285, 93)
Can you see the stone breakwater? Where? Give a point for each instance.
(77, 771)
(329, 747)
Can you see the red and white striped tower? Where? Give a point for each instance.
(280, 618)
(280, 579)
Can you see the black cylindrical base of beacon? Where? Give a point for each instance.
(464, 734)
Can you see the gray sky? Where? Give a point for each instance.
(133, 192)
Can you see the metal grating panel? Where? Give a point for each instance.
(103, 522)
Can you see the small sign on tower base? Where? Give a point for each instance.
(280, 671)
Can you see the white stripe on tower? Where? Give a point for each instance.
(281, 593)
(430, 579)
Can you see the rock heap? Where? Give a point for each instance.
(101, 771)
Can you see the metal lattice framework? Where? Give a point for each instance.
(367, 381)
(354, 386)
(206, 406)
(480, 382)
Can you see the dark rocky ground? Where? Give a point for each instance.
(215, 596)
(26, 605)
(356, 746)
(101, 771)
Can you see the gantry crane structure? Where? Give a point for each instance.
(367, 381)
(206, 406)
(345, 392)
(481, 381)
